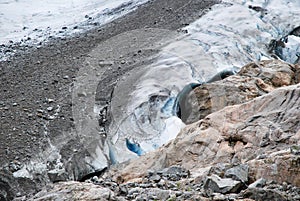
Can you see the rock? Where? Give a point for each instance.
(295, 149)
(49, 109)
(258, 9)
(12, 187)
(171, 185)
(156, 194)
(260, 194)
(260, 183)
(281, 166)
(40, 111)
(57, 175)
(74, 191)
(154, 178)
(8, 186)
(134, 192)
(239, 173)
(253, 80)
(50, 100)
(82, 94)
(219, 196)
(110, 184)
(219, 185)
(95, 179)
(123, 190)
(233, 196)
(174, 173)
(187, 195)
(219, 169)
(146, 185)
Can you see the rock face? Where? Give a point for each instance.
(281, 166)
(247, 151)
(253, 80)
(219, 185)
(74, 191)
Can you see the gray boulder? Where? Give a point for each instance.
(72, 190)
(258, 183)
(239, 173)
(219, 185)
(260, 194)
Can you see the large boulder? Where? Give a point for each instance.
(74, 191)
(253, 80)
(217, 184)
(281, 166)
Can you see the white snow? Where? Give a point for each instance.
(19, 18)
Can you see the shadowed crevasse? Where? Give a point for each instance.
(134, 147)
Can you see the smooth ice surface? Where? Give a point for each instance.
(19, 18)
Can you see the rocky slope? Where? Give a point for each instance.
(246, 147)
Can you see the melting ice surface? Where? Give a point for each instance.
(229, 36)
(37, 18)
